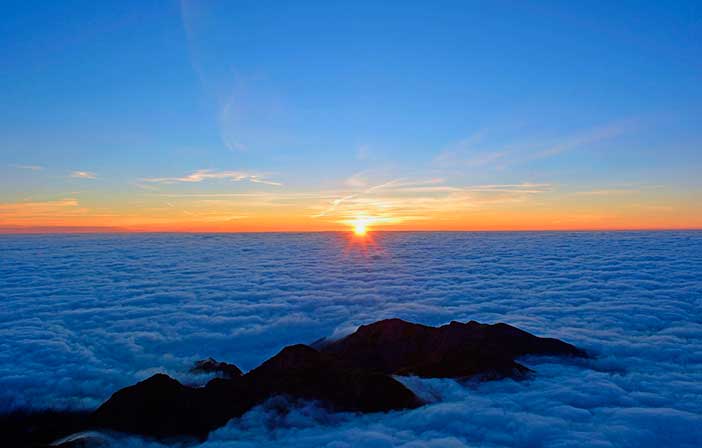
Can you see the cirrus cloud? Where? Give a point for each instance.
(202, 175)
(83, 175)
(28, 167)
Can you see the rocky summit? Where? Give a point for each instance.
(355, 373)
(221, 369)
(456, 350)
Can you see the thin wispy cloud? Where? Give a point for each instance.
(334, 204)
(37, 205)
(256, 194)
(358, 181)
(477, 151)
(524, 187)
(28, 167)
(607, 192)
(203, 175)
(207, 214)
(470, 152)
(31, 211)
(403, 200)
(83, 175)
(450, 158)
(590, 137)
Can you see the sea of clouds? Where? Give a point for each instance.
(83, 315)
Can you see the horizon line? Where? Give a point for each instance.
(114, 231)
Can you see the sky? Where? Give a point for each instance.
(263, 116)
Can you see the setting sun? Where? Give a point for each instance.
(359, 228)
(361, 225)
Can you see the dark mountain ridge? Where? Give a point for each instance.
(354, 373)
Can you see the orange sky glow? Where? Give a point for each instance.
(404, 208)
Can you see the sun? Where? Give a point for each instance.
(359, 225)
(359, 228)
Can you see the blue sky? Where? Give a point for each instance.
(331, 97)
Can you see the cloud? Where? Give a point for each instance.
(358, 180)
(37, 208)
(470, 152)
(82, 316)
(524, 187)
(38, 205)
(607, 192)
(402, 200)
(202, 175)
(477, 151)
(458, 157)
(28, 167)
(83, 175)
(15, 216)
(584, 139)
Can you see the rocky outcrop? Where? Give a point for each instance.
(221, 369)
(159, 407)
(354, 373)
(162, 407)
(456, 350)
(303, 372)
